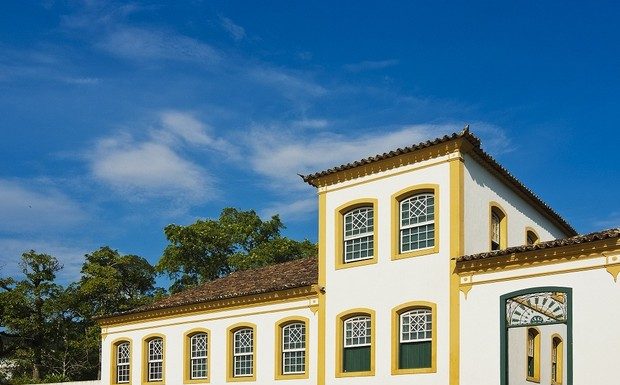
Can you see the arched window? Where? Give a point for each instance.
(414, 338)
(531, 238)
(417, 222)
(498, 228)
(155, 359)
(243, 352)
(359, 234)
(533, 355)
(122, 362)
(557, 360)
(198, 356)
(355, 343)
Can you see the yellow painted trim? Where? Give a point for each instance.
(321, 293)
(227, 317)
(381, 177)
(395, 204)
(145, 357)
(396, 312)
(340, 318)
(536, 377)
(560, 359)
(113, 356)
(187, 356)
(529, 229)
(457, 247)
(503, 225)
(244, 302)
(375, 167)
(229, 352)
(278, 348)
(339, 246)
(540, 257)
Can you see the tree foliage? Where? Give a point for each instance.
(208, 249)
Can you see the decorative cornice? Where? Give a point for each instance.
(225, 304)
(537, 257)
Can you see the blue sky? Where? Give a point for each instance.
(120, 118)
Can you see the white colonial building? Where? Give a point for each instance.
(436, 266)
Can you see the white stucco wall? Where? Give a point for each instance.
(387, 284)
(264, 317)
(517, 363)
(595, 312)
(481, 187)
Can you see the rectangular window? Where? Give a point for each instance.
(294, 348)
(357, 344)
(358, 234)
(416, 338)
(122, 363)
(495, 231)
(156, 359)
(417, 222)
(199, 343)
(243, 355)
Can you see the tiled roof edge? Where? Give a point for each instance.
(482, 157)
(578, 239)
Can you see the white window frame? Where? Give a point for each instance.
(421, 224)
(243, 354)
(153, 360)
(350, 239)
(196, 356)
(291, 351)
(348, 342)
(123, 362)
(428, 325)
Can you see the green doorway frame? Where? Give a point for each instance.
(504, 328)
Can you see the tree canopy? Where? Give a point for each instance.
(211, 248)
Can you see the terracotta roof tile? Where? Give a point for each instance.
(478, 153)
(597, 236)
(282, 276)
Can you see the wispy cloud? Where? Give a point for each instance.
(156, 165)
(293, 210)
(144, 44)
(612, 220)
(495, 140)
(30, 207)
(237, 32)
(370, 65)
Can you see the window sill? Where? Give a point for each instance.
(417, 253)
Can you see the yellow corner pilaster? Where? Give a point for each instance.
(456, 250)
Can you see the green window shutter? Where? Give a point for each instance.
(356, 359)
(530, 366)
(415, 355)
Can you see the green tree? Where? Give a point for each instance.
(208, 249)
(28, 308)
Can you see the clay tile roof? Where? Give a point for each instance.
(597, 236)
(477, 152)
(281, 276)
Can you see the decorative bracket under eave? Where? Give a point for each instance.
(466, 284)
(612, 265)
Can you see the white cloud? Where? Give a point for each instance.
(144, 44)
(369, 65)
(281, 154)
(157, 166)
(290, 84)
(70, 257)
(294, 210)
(148, 169)
(236, 31)
(494, 139)
(31, 207)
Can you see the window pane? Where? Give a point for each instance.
(122, 363)
(416, 325)
(243, 363)
(357, 331)
(293, 348)
(198, 357)
(155, 359)
(358, 234)
(417, 222)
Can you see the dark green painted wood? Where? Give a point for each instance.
(415, 355)
(356, 359)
